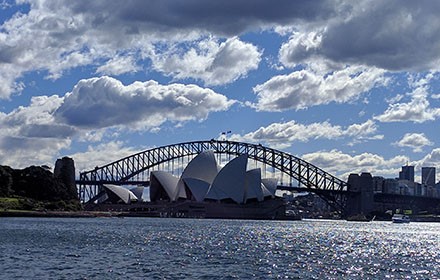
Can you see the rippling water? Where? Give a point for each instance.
(144, 248)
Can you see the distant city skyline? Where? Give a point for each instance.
(348, 86)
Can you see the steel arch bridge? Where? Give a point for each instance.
(128, 170)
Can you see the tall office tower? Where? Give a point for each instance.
(407, 173)
(428, 176)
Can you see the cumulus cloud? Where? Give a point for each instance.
(39, 111)
(416, 141)
(417, 110)
(301, 48)
(30, 135)
(94, 108)
(212, 62)
(106, 102)
(36, 120)
(304, 88)
(431, 159)
(226, 18)
(101, 154)
(118, 65)
(283, 135)
(402, 36)
(20, 152)
(342, 164)
(79, 34)
(362, 129)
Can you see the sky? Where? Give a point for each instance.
(350, 86)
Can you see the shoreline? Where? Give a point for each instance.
(98, 214)
(55, 214)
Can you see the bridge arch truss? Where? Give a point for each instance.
(127, 170)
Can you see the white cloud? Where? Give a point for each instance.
(36, 120)
(29, 135)
(304, 88)
(418, 110)
(210, 61)
(92, 110)
(105, 102)
(118, 65)
(38, 112)
(20, 152)
(101, 154)
(341, 164)
(416, 141)
(283, 135)
(300, 48)
(431, 159)
(361, 130)
(402, 36)
(58, 36)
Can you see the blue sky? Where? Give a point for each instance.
(351, 86)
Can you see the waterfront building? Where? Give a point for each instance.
(391, 186)
(406, 187)
(117, 194)
(407, 173)
(363, 201)
(428, 176)
(378, 184)
(204, 190)
(203, 180)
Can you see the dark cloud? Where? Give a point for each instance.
(47, 131)
(9, 54)
(221, 17)
(392, 35)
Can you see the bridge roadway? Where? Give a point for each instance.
(381, 200)
(129, 170)
(147, 183)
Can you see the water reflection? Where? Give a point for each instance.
(107, 248)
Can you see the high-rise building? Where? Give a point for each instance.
(428, 176)
(407, 173)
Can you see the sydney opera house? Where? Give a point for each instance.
(204, 190)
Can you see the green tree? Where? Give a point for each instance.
(5, 181)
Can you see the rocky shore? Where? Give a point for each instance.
(36, 189)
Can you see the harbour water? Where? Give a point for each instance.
(153, 248)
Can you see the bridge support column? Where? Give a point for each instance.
(360, 200)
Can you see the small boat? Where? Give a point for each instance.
(400, 219)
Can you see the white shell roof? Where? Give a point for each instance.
(253, 185)
(230, 181)
(204, 180)
(266, 192)
(138, 192)
(180, 190)
(270, 184)
(125, 195)
(197, 187)
(168, 183)
(202, 167)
